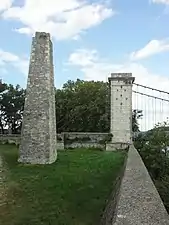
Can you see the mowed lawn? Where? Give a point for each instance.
(72, 191)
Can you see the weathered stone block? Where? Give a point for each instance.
(116, 146)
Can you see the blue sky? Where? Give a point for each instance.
(94, 39)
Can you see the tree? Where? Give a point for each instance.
(136, 115)
(3, 88)
(83, 106)
(153, 147)
(12, 103)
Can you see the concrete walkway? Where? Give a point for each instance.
(139, 202)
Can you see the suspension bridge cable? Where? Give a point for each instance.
(152, 114)
(155, 112)
(167, 112)
(137, 100)
(154, 89)
(145, 112)
(149, 114)
(162, 111)
(142, 108)
(154, 108)
(151, 96)
(138, 107)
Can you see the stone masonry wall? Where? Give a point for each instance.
(109, 213)
(86, 140)
(69, 140)
(38, 136)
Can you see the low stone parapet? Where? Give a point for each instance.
(68, 140)
(116, 146)
(139, 201)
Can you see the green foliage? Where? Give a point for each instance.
(72, 191)
(3, 87)
(163, 187)
(83, 106)
(136, 115)
(11, 107)
(153, 147)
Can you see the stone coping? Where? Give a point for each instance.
(139, 202)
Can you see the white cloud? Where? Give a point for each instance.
(95, 68)
(10, 59)
(63, 19)
(165, 2)
(7, 57)
(83, 57)
(153, 47)
(5, 4)
(162, 2)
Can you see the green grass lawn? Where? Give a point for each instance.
(72, 191)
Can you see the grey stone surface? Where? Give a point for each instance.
(121, 107)
(3, 187)
(84, 145)
(93, 136)
(84, 140)
(38, 136)
(11, 139)
(139, 202)
(116, 146)
(110, 209)
(76, 140)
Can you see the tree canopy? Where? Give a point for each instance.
(83, 106)
(153, 147)
(11, 106)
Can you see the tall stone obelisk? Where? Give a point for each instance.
(38, 135)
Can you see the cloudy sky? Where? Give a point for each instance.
(91, 39)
